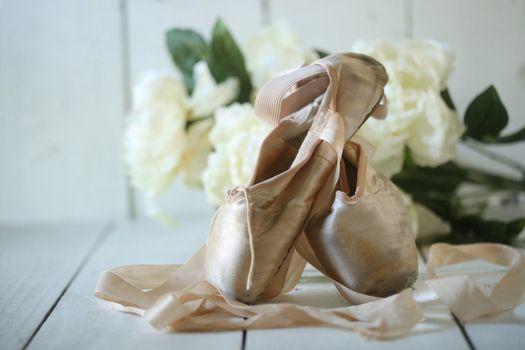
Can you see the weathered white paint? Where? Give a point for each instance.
(148, 22)
(504, 330)
(35, 266)
(60, 112)
(38, 263)
(335, 25)
(61, 92)
(438, 325)
(84, 322)
(487, 40)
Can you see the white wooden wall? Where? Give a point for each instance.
(66, 67)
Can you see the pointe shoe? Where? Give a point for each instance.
(365, 242)
(252, 236)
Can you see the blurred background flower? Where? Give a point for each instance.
(173, 133)
(212, 135)
(418, 117)
(155, 137)
(276, 48)
(171, 155)
(236, 138)
(167, 133)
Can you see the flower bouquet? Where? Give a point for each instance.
(199, 123)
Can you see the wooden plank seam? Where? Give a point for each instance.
(456, 320)
(105, 232)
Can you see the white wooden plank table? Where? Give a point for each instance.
(507, 329)
(82, 321)
(439, 326)
(488, 333)
(54, 306)
(36, 265)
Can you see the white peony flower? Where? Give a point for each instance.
(236, 138)
(198, 147)
(418, 118)
(234, 120)
(156, 88)
(158, 143)
(422, 52)
(154, 143)
(434, 135)
(208, 95)
(155, 137)
(273, 50)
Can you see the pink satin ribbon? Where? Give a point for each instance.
(178, 297)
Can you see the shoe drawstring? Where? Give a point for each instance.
(249, 282)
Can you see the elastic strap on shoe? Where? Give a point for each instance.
(330, 100)
(290, 92)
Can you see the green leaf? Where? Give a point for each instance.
(321, 53)
(436, 187)
(514, 137)
(433, 187)
(445, 95)
(486, 116)
(515, 227)
(226, 60)
(186, 48)
(477, 229)
(443, 179)
(490, 230)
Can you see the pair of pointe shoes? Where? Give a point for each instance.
(314, 193)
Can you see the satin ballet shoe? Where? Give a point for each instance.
(365, 241)
(252, 235)
(254, 230)
(359, 93)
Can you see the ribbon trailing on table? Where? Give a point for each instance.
(178, 297)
